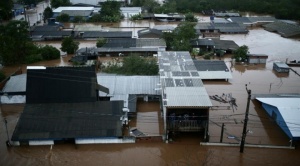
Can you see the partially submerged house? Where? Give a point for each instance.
(214, 44)
(155, 32)
(284, 28)
(129, 89)
(257, 58)
(169, 17)
(185, 102)
(211, 29)
(62, 105)
(73, 11)
(284, 109)
(281, 67)
(250, 21)
(212, 70)
(49, 32)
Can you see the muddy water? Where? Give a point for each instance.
(185, 150)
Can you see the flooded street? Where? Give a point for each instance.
(185, 149)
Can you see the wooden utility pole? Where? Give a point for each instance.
(245, 121)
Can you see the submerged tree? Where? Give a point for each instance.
(240, 55)
(69, 45)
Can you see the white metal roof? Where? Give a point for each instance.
(180, 86)
(186, 97)
(289, 109)
(16, 83)
(60, 9)
(124, 85)
(281, 64)
(215, 75)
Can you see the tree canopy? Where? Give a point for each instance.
(288, 9)
(5, 9)
(179, 39)
(58, 3)
(69, 45)
(240, 55)
(13, 37)
(134, 65)
(48, 13)
(17, 48)
(110, 11)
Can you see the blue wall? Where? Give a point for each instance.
(271, 110)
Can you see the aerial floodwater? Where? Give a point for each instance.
(184, 149)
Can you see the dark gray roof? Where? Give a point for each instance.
(231, 27)
(46, 28)
(240, 19)
(83, 13)
(210, 65)
(61, 85)
(202, 42)
(283, 28)
(251, 20)
(58, 121)
(46, 34)
(127, 43)
(113, 34)
(148, 31)
(117, 49)
(225, 44)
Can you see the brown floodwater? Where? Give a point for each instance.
(185, 149)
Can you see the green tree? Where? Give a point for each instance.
(69, 45)
(95, 18)
(101, 42)
(14, 38)
(180, 38)
(63, 18)
(5, 9)
(58, 3)
(48, 13)
(134, 65)
(190, 17)
(49, 52)
(110, 11)
(240, 54)
(78, 19)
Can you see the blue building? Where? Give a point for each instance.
(285, 111)
(18, 9)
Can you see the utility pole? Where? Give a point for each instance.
(245, 121)
(222, 132)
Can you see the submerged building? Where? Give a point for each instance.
(185, 102)
(63, 105)
(284, 109)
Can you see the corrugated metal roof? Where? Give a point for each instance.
(289, 109)
(70, 120)
(187, 97)
(16, 84)
(181, 86)
(124, 85)
(214, 75)
(115, 34)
